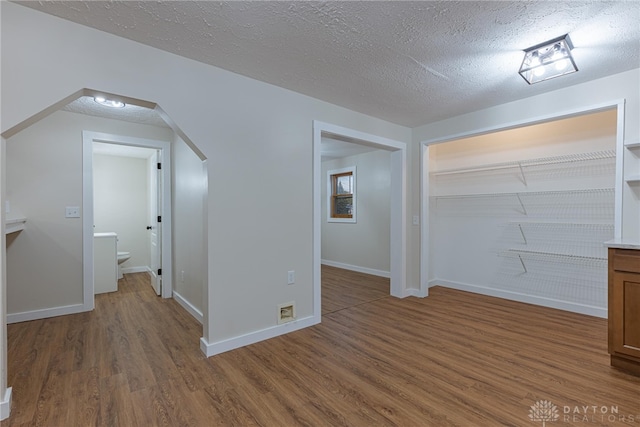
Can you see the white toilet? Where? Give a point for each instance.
(122, 257)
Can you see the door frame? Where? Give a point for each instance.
(398, 226)
(154, 177)
(88, 138)
(617, 104)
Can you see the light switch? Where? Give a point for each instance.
(416, 220)
(72, 212)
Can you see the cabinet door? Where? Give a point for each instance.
(625, 314)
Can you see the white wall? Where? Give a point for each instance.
(364, 245)
(255, 136)
(44, 175)
(189, 188)
(121, 205)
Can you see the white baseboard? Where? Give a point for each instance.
(46, 313)
(412, 292)
(211, 349)
(191, 309)
(520, 297)
(5, 405)
(365, 270)
(138, 269)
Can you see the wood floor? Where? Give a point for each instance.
(453, 358)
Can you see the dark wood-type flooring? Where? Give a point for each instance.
(453, 358)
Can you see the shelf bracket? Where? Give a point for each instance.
(524, 210)
(522, 233)
(524, 267)
(524, 178)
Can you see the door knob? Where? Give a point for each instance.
(149, 227)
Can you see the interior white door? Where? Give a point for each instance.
(155, 220)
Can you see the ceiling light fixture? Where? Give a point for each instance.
(109, 102)
(548, 60)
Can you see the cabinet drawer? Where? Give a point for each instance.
(626, 260)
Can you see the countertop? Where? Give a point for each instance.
(622, 244)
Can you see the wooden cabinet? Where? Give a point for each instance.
(624, 309)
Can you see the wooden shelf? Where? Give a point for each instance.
(14, 225)
(632, 144)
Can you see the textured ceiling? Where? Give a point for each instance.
(411, 63)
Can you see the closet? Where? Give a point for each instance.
(523, 213)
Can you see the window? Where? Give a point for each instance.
(341, 195)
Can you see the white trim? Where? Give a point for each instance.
(88, 288)
(366, 270)
(191, 309)
(316, 249)
(354, 199)
(138, 269)
(5, 405)
(618, 104)
(425, 252)
(207, 285)
(619, 185)
(589, 310)
(45, 313)
(398, 216)
(418, 293)
(574, 112)
(88, 138)
(398, 240)
(211, 349)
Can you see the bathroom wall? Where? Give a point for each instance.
(189, 188)
(121, 205)
(364, 245)
(44, 175)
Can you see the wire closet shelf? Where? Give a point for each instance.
(568, 158)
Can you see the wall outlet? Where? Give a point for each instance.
(291, 277)
(416, 220)
(72, 212)
(286, 312)
(182, 276)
